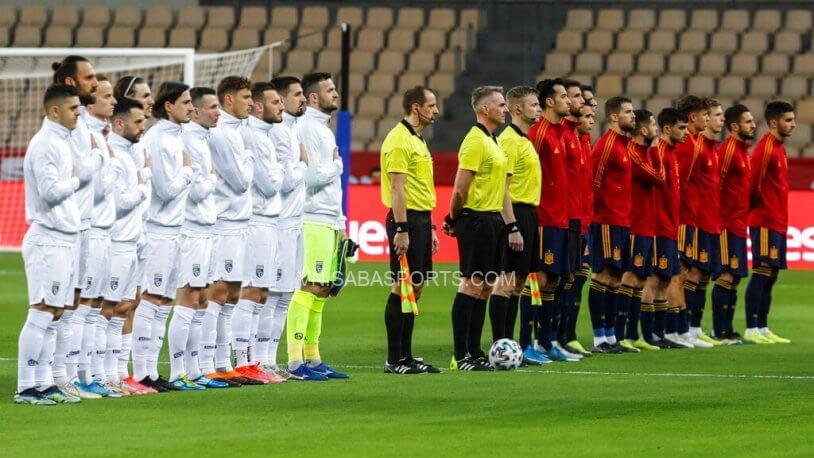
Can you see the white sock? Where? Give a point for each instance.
(43, 375)
(252, 356)
(241, 331)
(763, 331)
(29, 347)
(77, 331)
(88, 346)
(264, 325)
(610, 339)
(223, 357)
(209, 332)
(113, 349)
(599, 341)
(280, 313)
(63, 347)
(696, 331)
(124, 356)
(100, 349)
(142, 335)
(159, 329)
(178, 335)
(191, 363)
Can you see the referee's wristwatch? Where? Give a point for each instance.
(512, 227)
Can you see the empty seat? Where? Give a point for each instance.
(704, 20)
(732, 86)
(589, 62)
(700, 85)
(743, 64)
(8, 17)
(314, 17)
(120, 37)
(221, 17)
(672, 19)
(245, 38)
(370, 39)
(650, 63)
(620, 63)
(639, 85)
(472, 18)
(152, 37)
(391, 62)
(724, 41)
(609, 84)
(370, 105)
(671, 85)
(630, 40)
(449, 61)
(364, 61)
(804, 65)
(363, 128)
(191, 16)
(774, 65)
(127, 16)
(569, 40)
(356, 81)
(558, 63)
(433, 40)
(794, 86)
(763, 86)
(379, 18)
(253, 18)
(33, 15)
(798, 20)
(213, 40)
(463, 39)
(579, 19)
(599, 40)
(735, 20)
(352, 15)
(410, 18)
(381, 83)
(65, 16)
(330, 61)
(394, 107)
(641, 19)
(754, 42)
(5, 40)
(692, 41)
(610, 19)
(441, 19)
(183, 37)
(662, 41)
(767, 20)
(712, 64)
(313, 41)
(408, 80)
(682, 64)
(158, 16)
(443, 84)
(58, 37)
(800, 136)
(787, 43)
(421, 62)
(89, 37)
(274, 34)
(401, 39)
(27, 36)
(299, 61)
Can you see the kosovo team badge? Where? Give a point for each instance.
(549, 258)
(114, 283)
(617, 253)
(228, 265)
(55, 288)
(703, 256)
(258, 271)
(638, 260)
(158, 279)
(279, 274)
(318, 266)
(733, 262)
(196, 270)
(89, 283)
(663, 262)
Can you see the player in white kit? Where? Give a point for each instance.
(171, 181)
(51, 211)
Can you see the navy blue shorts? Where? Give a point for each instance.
(610, 246)
(586, 251)
(553, 250)
(701, 250)
(768, 248)
(665, 258)
(686, 244)
(641, 255)
(733, 255)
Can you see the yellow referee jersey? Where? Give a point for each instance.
(481, 154)
(404, 151)
(524, 166)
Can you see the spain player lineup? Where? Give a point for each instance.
(209, 220)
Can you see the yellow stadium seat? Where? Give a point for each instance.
(410, 18)
(732, 85)
(650, 63)
(670, 85)
(589, 62)
(609, 84)
(599, 40)
(89, 37)
(610, 19)
(559, 63)
(788, 42)
(401, 40)
(755, 42)
(441, 19)
(798, 21)
(391, 62)
(245, 38)
(763, 86)
(569, 40)
(712, 64)
(724, 41)
(743, 64)
(639, 85)
(434, 40)
(443, 84)
(681, 64)
(774, 65)
(8, 16)
(472, 17)
(27, 36)
(421, 62)
(381, 83)
(213, 40)
(370, 39)
(794, 86)
(330, 60)
(662, 41)
(620, 63)
(314, 40)
(273, 34)
(299, 61)
(363, 61)
(127, 16)
(120, 37)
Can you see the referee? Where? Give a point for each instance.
(408, 191)
(474, 218)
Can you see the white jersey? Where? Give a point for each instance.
(323, 180)
(104, 208)
(287, 145)
(137, 153)
(48, 167)
(129, 194)
(268, 172)
(234, 166)
(87, 161)
(171, 178)
(200, 206)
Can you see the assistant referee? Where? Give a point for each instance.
(409, 192)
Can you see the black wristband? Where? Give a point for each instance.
(513, 227)
(448, 219)
(402, 227)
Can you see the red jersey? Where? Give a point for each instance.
(668, 194)
(733, 158)
(698, 168)
(576, 161)
(547, 140)
(769, 186)
(586, 183)
(611, 183)
(647, 174)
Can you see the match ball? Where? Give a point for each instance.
(505, 355)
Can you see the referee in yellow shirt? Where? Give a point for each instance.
(480, 217)
(409, 192)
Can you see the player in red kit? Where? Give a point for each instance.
(734, 163)
(609, 233)
(768, 220)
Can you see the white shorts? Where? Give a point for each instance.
(261, 251)
(196, 253)
(97, 264)
(228, 256)
(140, 256)
(80, 254)
(161, 264)
(49, 266)
(124, 272)
(290, 254)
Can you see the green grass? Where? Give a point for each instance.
(734, 401)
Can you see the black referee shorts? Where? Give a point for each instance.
(481, 239)
(523, 262)
(419, 253)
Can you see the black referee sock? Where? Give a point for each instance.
(407, 335)
(476, 328)
(498, 311)
(393, 323)
(461, 317)
(511, 317)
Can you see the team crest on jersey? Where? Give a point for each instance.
(318, 266)
(617, 253)
(703, 256)
(279, 274)
(89, 283)
(773, 253)
(663, 262)
(549, 258)
(228, 265)
(258, 271)
(55, 288)
(638, 260)
(114, 283)
(733, 262)
(196, 270)
(158, 279)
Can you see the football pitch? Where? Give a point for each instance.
(730, 401)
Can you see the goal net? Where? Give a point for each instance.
(26, 73)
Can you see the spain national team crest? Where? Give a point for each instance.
(733, 262)
(638, 260)
(663, 262)
(158, 279)
(548, 258)
(258, 271)
(773, 253)
(55, 288)
(228, 265)
(703, 256)
(318, 266)
(617, 254)
(196, 270)
(114, 283)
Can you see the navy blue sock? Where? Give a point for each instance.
(511, 317)
(683, 321)
(596, 306)
(545, 316)
(691, 299)
(575, 301)
(527, 319)
(720, 306)
(659, 317)
(700, 303)
(730, 311)
(648, 312)
(611, 301)
(624, 297)
(559, 305)
(758, 284)
(766, 303)
(671, 320)
(634, 311)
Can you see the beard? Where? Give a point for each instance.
(87, 99)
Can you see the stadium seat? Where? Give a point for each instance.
(639, 86)
(641, 19)
(442, 83)
(798, 21)
(64, 16)
(191, 16)
(754, 42)
(699, 85)
(127, 16)
(27, 36)
(804, 64)
(712, 64)
(756, 106)
(763, 86)
(559, 63)
(620, 63)
(158, 16)
(794, 87)
(681, 64)
(743, 64)
(441, 19)
(313, 40)
(462, 38)
(352, 15)
(364, 128)
(393, 107)
(381, 83)
(589, 62)
(364, 61)
(370, 39)
(89, 37)
(670, 85)
(410, 18)
(599, 40)
(579, 19)
(356, 81)
(213, 40)
(421, 62)
(693, 41)
(449, 62)
(369, 105)
(273, 34)
(314, 17)
(610, 19)
(609, 84)
(58, 37)
(724, 41)
(662, 41)
(674, 20)
(473, 18)
(569, 40)
(152, 37)
(391, 62)
(650, 63)
(766, 20)
(5, 41)
(401, 40)
(379, 18)
(8, 16)
(330, 60)
(299, 61)
(408, 80)
(245, 38)
(704, 20)
(220, 17)
(735, 20)
(774, 65)
(33, 16)
(253, 18)
(183, 37)
(434, 40)
(732, 86)
(120, 37)
(787, 43)
(630, 40)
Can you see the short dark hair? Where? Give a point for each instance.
(518, 93)
(642, 117)
(169, 91)
(310, 82)
(545, 88)
(568, 83)
(283, 84)
(66, 68)
(57, 92)
(198, 92)
(124, 86)
(690, 104)
(711, 102)
(416, 94)
(776, 109)
(259, 90)
(669, 116)
(124, 106)
(614, 104)
(586, 87)
(733, 114)
(232, 84)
